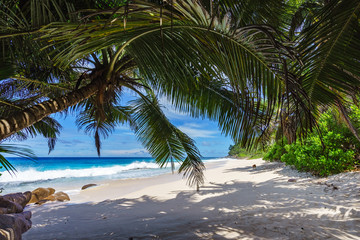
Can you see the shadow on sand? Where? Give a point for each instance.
(274, 209)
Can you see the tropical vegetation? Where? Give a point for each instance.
(257, 68)
(238, 151)
(329, 146)
(331, 150)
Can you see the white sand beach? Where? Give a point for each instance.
(237, 201)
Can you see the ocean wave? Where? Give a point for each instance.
(218, 159)
(33, 175)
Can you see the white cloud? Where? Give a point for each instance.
(194, 131)
(170, 111)
(193, 125)
(122, 127)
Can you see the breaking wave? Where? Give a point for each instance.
(33, 175)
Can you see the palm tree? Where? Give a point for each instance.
(326, 34)
(130, 38)
(216, 59)
(201, 57)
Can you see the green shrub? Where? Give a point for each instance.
(275, 152)
(337, 152)
(240, 152)
(310, 156)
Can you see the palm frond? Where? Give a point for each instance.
(14, 150)
(164, 141)
(47, 127)
(331, 51)
(186, 43)
(88, 119)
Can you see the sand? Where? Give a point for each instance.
(236, 202)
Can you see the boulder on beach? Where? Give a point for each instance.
(40, 194)
(88, 185)
(7, 207)
(61, 197)
(14, 202)
(41, 202)
(58, 196)
(19, 198)
(13, 225)
(52, 190)
(13, 221)
(50, 198)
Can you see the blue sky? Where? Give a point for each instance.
(123, 143)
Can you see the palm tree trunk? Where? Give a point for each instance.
(345, 117)
(27, 117)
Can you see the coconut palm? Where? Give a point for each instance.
(198, 54)
(253, 45)
(216, 59)
(327, 41)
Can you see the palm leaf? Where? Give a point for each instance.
(14, 150)
(88, 119)
(184, 44)
(164, 141)
(331, 52)
(47, 127)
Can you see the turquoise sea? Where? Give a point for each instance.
(70, 173)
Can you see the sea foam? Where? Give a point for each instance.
(32, 175)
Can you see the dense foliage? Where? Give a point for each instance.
(332, 149)
(207, 58)
(240, 152)
(257, 68)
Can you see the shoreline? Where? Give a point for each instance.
(236, 201)
(66, 180)
(134, 187)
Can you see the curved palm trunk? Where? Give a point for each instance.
(27, 117)
(288, 125)
(345, 117)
